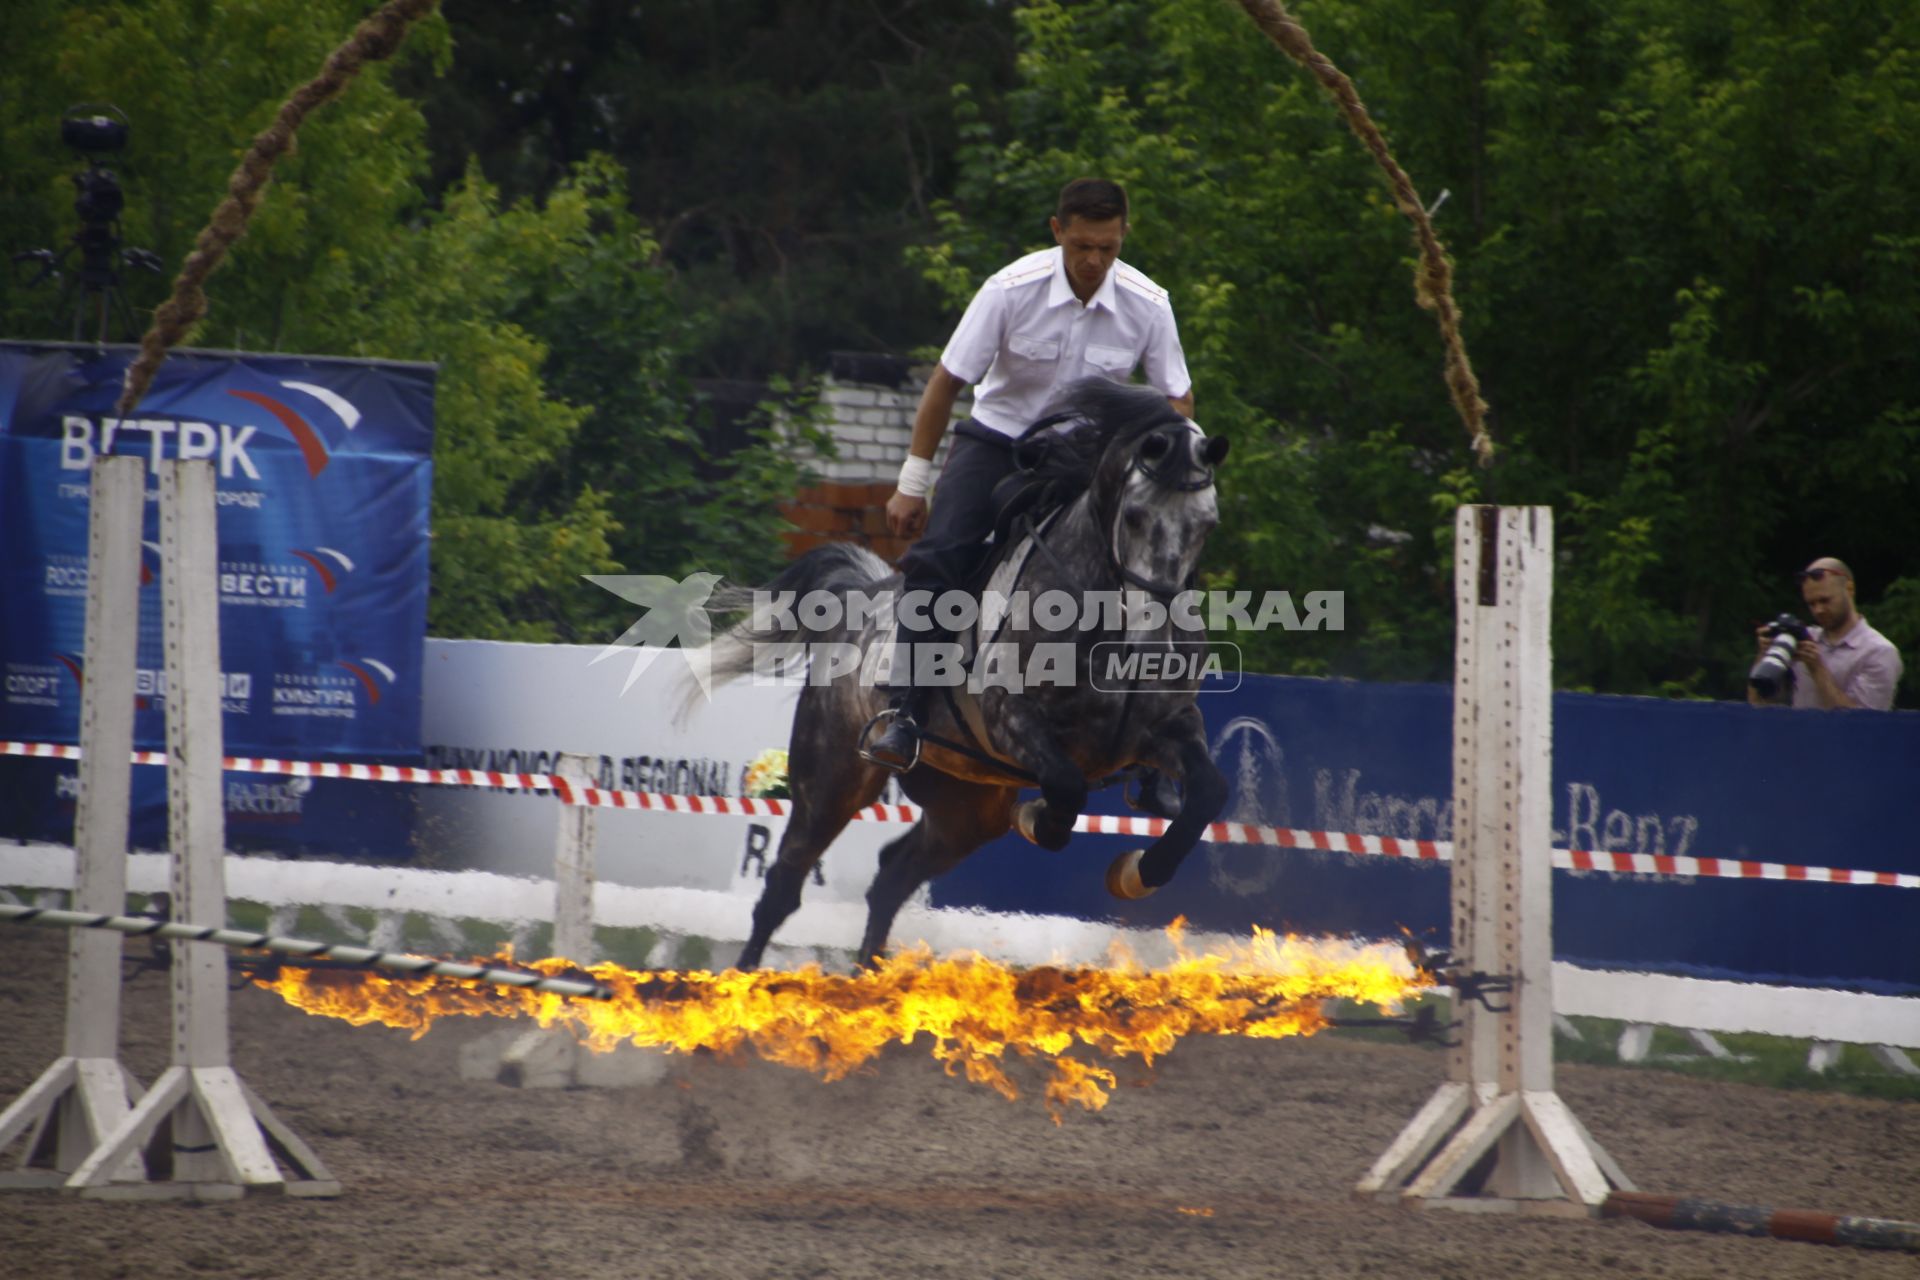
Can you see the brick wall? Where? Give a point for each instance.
(871, 423)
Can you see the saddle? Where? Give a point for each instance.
(1048, 474)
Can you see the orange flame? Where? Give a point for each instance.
(975, 1011)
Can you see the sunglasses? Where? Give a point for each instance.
(1816, 575)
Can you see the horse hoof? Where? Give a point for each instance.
(1026, 817)
(1123, 877)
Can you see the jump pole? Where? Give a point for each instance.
(87, 1093)
(334, 953)
(200, 1131)
(1495, 1136)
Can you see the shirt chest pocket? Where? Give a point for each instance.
(1115, 362)
(1036, 350)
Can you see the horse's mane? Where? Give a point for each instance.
(1059, 456)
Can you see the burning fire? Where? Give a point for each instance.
(975, 1011)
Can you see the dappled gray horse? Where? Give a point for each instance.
(1116, 497)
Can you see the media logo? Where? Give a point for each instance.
(669, 611)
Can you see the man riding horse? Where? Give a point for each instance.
(1046, 321)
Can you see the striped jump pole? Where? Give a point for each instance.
(1499, 1099)
(1688, 1213)
(306, 949)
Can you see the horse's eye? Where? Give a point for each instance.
(1155, 447)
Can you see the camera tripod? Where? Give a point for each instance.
(92, 292)
(94, 289)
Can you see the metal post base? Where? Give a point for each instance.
(216, 1141)
(64, 1114)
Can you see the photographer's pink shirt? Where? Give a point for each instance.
(1863, 662)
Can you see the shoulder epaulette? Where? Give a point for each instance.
(1035, 266)
(1132, 279)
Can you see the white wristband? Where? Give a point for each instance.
(916, 476)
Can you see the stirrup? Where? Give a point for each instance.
(906, 720)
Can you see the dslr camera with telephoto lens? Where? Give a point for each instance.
(1775, 668)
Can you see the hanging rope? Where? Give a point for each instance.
(1433, 283)
(374, 39)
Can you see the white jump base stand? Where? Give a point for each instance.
(1496, 1137)
(200, 1133)
(87, 1093)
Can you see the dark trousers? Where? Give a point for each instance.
(953, 546)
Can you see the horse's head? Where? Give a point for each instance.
(1163, 504)
(1151, 484)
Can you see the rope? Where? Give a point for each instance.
(374, 39)
(1433, 283)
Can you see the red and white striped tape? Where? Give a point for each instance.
(312, 769)
(1654, 864)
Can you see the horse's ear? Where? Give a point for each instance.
(1214, 451)
(1155, 446)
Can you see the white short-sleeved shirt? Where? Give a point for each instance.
(1025, 337)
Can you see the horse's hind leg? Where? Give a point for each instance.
(957, 817)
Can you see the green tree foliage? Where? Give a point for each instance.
(1685, 236)
(564, 443)
(786, 153)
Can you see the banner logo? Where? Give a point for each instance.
(328, 577)
(313, 448)
(366, 677)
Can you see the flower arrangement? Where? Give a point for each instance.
(767, 775)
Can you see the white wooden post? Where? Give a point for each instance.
(223, 1138)
(573, 868)
(1498, 1112)
(86, 1093)
(550, 1057)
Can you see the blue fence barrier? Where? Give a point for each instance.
(1630, 774)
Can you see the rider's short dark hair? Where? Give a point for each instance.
(1094, 199)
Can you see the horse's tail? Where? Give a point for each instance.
(776, 619)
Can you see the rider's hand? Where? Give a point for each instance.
(906, 516)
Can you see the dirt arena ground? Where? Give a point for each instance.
(744, 1169)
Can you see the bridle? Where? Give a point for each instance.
(1153, 463)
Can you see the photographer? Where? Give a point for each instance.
(1839, 662)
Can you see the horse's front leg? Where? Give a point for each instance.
(1180, 749)
(1031, 741)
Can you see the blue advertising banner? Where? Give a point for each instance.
(1630, 775)
(324, 480)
